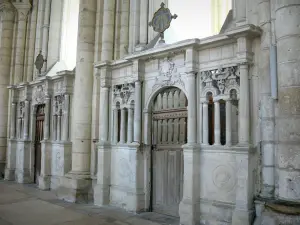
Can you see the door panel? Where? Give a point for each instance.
(169, 134)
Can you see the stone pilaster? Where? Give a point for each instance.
(22, 9)
(31, 47)
(7, 19)
(77, 184)
(124, 39)
(108, 30)
(123, 126)
(137, 112)
(46, 26)
(288, 113)
(266, 104)
(244, 106)
(65, 136)
(116, 126)
(134, 32)
(228, 123)
(130, 125)
(217, 122)
(205, 123)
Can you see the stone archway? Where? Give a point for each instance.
(169, 133)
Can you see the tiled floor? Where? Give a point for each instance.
(26, 205)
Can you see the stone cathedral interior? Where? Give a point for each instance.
(190, 109)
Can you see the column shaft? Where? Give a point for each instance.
(104, 121)
(58, 127)
(83, 92)
(228, 122)
(47, 117)
(123, 125)
(205, 123)
(13, 121)
(134, 35)
(137, 112)
(26, 120)
(192, 109)
(116, 125)
(217, 124)
(46, 31)
(108, 30)
(54, 128)
(130, 125)
(20, 45)
(124, 40)
(66, 115)
(244, 104)
(144, 22)
(32, 38)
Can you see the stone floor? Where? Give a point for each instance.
(26, 205)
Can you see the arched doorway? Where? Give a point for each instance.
(169, 133)
(39, 136)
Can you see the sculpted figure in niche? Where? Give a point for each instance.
(39, 62)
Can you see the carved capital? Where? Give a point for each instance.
(22, 9)
(7, 11)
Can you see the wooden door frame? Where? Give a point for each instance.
(148, 137)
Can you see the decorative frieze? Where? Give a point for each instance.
(221, 79)
(38, 95)
(124, 93)
(168, 75)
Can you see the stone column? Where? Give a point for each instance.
(124, 39)
(137, 112)
(240, 12)
(46, 31)
(205, 123)
(26, 120)
(78, 183)
(58, 127)
(65, 136)
(104, 120)
(228, 122)
(32, 39)
(144, 22)
(130, 125)
(47, 118)
(7, 20)
(200, 124)
(116, 125)
(192, 108)
(22, 9)
(288, 113)
(54, 132)
(244, 106)
(217, 130)
(134, 35)
(108, 30)
(123, 125)
(13, 121)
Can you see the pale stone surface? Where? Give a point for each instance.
(26, 205)
(102, 121)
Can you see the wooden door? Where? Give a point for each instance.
(39, 136)
(169, 134)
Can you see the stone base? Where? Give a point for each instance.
(9, 174)
(187, 209)
(242, 217)
(270, 212)
(101, 195)
(76, 189)
(44, 182)
(23, 176)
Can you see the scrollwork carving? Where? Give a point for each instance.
(38, 95)
(167, 76)
(223, 79)
(124, 92)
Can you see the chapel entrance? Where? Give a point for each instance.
(39, 136)
(169, 133)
